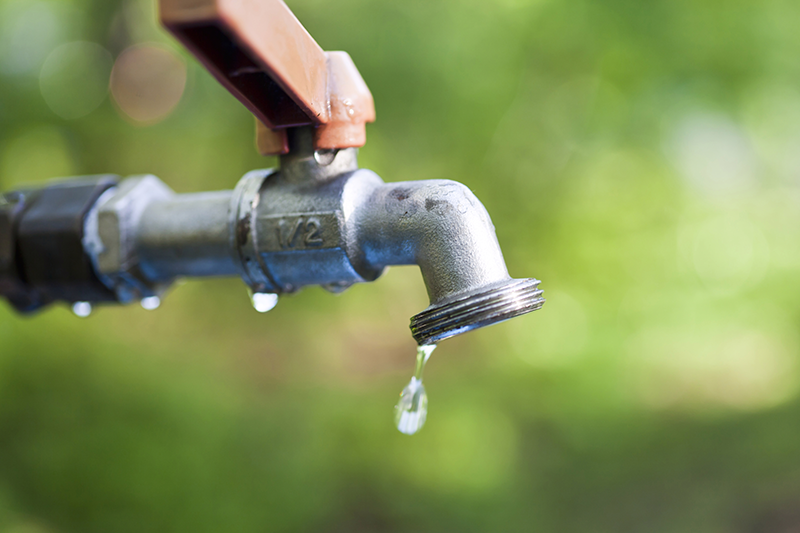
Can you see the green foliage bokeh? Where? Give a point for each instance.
(641, 158)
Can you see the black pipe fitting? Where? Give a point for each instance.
(42, 257)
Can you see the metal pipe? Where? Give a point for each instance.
(186, 236)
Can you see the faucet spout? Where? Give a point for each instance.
(441, 226)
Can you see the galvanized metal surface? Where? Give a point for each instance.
(318, 220)
(110, 233)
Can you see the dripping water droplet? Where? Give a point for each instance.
(325, 157)
(82, 309)
(412, 409)
(264, 301)
(150, 303)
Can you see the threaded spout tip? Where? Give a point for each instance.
(476, 309)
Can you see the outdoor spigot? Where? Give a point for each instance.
(316, 220)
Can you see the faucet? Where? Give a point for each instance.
(318, 219)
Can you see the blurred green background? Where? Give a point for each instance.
(641, 158)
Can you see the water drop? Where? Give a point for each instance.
(337, 287)
(412, 409)
(150, 303)
(264, 301)
(82, 309)
(325, 157)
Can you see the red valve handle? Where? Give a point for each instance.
(259, 51)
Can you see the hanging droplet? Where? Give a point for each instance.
(264, 301)
(338, 287)
(150, 303)
(82, 309)
(325, 157)
(412, 409)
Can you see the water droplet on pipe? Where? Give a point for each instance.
(82, 309)
(264, 301)
(150, 303)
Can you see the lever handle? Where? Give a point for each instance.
(259, 51)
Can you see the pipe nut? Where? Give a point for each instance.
(114, 239)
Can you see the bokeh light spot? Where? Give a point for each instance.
(29, 30)
(74, 78)
(728, 253)
(148, 82)
(714, 155)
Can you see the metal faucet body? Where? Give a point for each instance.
(317, 220)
